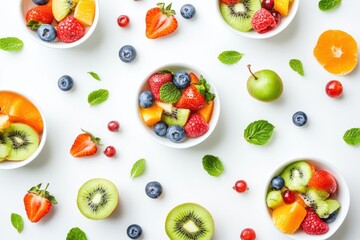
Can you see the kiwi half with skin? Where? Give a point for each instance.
(297, 175)
(97, 198)
(239, 15)
(189, 221)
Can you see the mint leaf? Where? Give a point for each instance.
(11, 44)
(76, 234)
(169, 93)
(297, 66)
(17, 222)
(259, 132)
(212, 165)
(352, 136)
(326, 5)
(230, 57)
(94, 75)
(138, 168)
(98, 96)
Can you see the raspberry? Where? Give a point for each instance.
(70, 30)
(313, 225)
(263, 21)
(196, 126)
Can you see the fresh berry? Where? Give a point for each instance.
(323, 180)
(277, 16)
(46, 32)
(110, 151)
(157, 80)
(160, 128)
(187, 11)
(175, 133)
(153, 189)
(263, 21)
(123, 21)
(313, 225)
(331, 218)
(127, 53)
(334, 88)
(230, 2)
(146, 99)
(289, 196)
(85, 145)
(113, 126)
(181, 79)
(240, 186)
(160, 21)
(40, 2)
(38, 203)
(267, 4)
(277, 182)
(70, 30)
(196, 126)
(299, 118)
(37, 15)
(134, 231)
(248, 234)
(65, 83)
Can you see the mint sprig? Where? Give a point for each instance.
(94, 75)
(138, 168)
(326, 5)
(258, 132)
(352, 136)
(169, 93)
(297, 66)
(76, 234)
(17, 222)
(11, 44)
(212, 165)
(230, 57)
(98, 96)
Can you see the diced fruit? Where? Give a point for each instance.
(85, 12)
(323, 180)
(297, 175)
(175, 133)
(288, 218)
(70, 30)
(206, 111)
(315, 199)
(196, 126)
(301, 201)
(151, 115)
(177, 116)
(85, 145)
(313, 225)
(334, 206)
(230, 2)
(160, 21)
(193, 78)
(282, 6)
(62, 8)
(156, 81)
(274, 199)
(263, 21)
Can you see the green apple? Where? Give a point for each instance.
(264, 85)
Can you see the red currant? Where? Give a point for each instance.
(110, 151)
(113, 126)
(334, 88)
(277, 16)
(247, 234)
(289, 196)
(267, 4)
(123, 20)
(240, 186)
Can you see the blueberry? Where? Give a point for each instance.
(160, 128)
(277, 183)
(40, 2)
(134, 231)
(181, 79)
(65, 83)
(46, 32)
(146, 99)
(299, 118)
(187, 11)
(175, 133)
(153, 189)
(127, 53)
(331, 218)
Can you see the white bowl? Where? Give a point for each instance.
(285, 21)
(17, 164)
(25, 5)
(342, 195)
(188, 142)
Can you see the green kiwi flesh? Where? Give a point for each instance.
(5, 146)
(315, 199)
(274, 199)
(297, 175)
(239, 15)
(175, 116)
(97, 198)
(189, 221)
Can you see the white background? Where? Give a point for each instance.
(35, 71)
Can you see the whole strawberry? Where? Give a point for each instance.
(160, 21)
(85, 145)
(38, 203)
(40, 14)
(157, 80)
(70, 30)
(313, 225)
(195, 126)
(323, 180)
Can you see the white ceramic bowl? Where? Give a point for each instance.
(188, 142)
(17, 164)
(25, 5)
(285, 21)
(342, 195)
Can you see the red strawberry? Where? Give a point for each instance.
(38, 203)
(195, 126)
(323, 180)
(230, 2)
(160, 21)
(85, 145)
(39, 14)
(313, 225)
(157, 80)
(70, 30)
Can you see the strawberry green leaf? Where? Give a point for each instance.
(76, 234)
(11, 44)
(98, 96)
(258, 132)
(212, 165)
(352, 136)
(230, 57)
(17, 222)
(138, 168)
(297, 66)
(94, 75)
(326, 5)
(170, 93)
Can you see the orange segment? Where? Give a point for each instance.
(151, 115)
(282, 6)
(85, 12)
(336, 51)
(287, 218)
(207, 110)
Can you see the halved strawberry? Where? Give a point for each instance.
(160, 21)
(157, 80)
(323, 180)
(40, 14)
(85, 145)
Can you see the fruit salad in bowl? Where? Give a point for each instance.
(60, 23)
(307, 199)
(22, 130)
(178, 106)
(257, 18)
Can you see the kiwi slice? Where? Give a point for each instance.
(5, 146)
(172, 115)
(316, 199)
(62, 8)
(189, 221)
(24, 141)
(97, 198)
(239, 15)
(297, 175)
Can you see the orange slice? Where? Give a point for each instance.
(85, 12)
(207, 110)
(287, 218)
(151, 115)
(336, 51)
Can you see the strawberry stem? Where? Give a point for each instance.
(249, 67)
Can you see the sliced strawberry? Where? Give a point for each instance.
(157, 80)
(195, 126)
(160, 21)
(313, 225)
(323, 180)
(40, 14)
(70, 30)
(85, 145)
